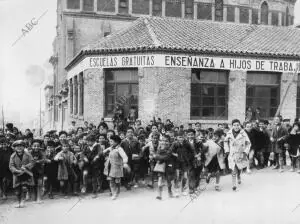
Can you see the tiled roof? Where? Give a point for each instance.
(198, 36)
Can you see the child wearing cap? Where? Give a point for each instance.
(20, 165)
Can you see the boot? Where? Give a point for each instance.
(170, 192)
(159, 195)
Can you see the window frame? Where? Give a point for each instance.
(116, 83)
(215, 97)
(74, 8)
(277, 86)
(221, 9)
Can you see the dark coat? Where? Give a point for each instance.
(262, 141)
(95, 158)
(294, 141)
(38, 164)
(15, 165)
(279, 137)
(4, 162)
(131, 148)
(185, 153)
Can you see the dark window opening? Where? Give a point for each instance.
(264, 13)
(209, 94)
(219, 10)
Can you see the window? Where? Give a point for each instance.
(254, 16)
(81, 96)
(204, 11)
(244, 15)
(275, 18)
(209, 94)
(283, 19)
(173, 8)
(140, 6)
(88, 5)
(264, 13)
(71, 97)
(263, 90)
(219, 10)
(287, 16)
(75, 95)
(298, 97)
(157, 8)
(123, 6)
(189, 9)
(106, 5)
(230, 13)
(121, 88)
(73, 4)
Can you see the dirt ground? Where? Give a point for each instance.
(265, 196)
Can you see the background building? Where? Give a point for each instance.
(80, 22)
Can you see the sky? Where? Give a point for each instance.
(24, 66)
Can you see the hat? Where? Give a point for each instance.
(51, 143)
(18, 143)
(91, 138)
(29, 135)
(286, 120)
(3, 139)
(62, 132)
(116, 139)
(40, 141)
(52, 132)
(9, 126)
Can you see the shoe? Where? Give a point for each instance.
(275, 167)
(298, 171)
(292, 170)
(217, 188)
(281, 170)
(234, 188)
(114, 197)
(94, 195)
(135, 186)
(159, 198)
(83, 190)
(249, 171)
(22, 204)
(150, 186)
(4, 197)
(185, 193)
(171, 195)
(208, 178)
(50, 196)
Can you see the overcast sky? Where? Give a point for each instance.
(22, 63)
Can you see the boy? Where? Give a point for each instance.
(237, 146)
(38, 167)
(50, 169)
(20, 165)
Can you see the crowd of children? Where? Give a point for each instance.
(93, 159)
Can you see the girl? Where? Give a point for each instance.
(293, 140)
(116, 161)
(20, 165)
(237, 146)
(66, 174)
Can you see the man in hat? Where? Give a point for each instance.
(5, 174)
(20, 165)
(9, 128)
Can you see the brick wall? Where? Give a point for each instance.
(140, 6)
(289, 106)
(164, 93)
(237, 95)
(93, 95)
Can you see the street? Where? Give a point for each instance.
(264, 197)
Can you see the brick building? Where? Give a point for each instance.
(188, 71)
(80, 22)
